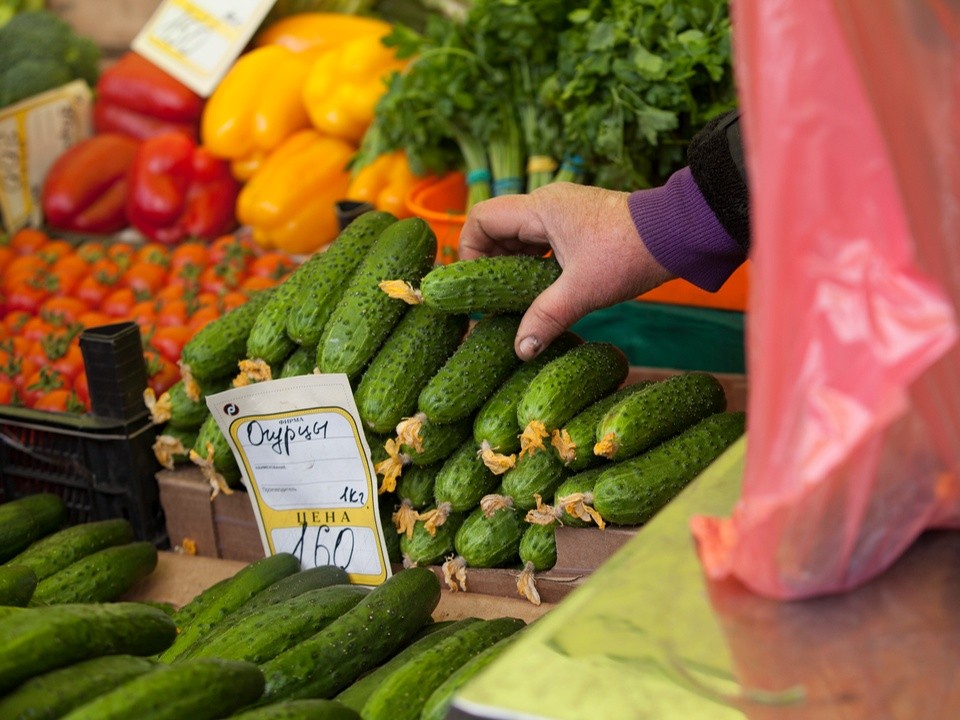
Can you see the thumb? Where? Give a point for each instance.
(549, 316)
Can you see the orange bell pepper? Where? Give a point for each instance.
(345, 83)
(289, 202)
(256, 106)
(316, 32)
(385, 184)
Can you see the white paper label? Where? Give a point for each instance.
(197, 41)
(307, 469)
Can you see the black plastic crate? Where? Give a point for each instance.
(102, 465)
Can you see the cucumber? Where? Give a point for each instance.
(434, 441)
(359, 640)
(414, 351)
(504, 283)
(416, 484)
(219, 345)
(213, 455)
(291, 586)
(302, 361)
(247, 582)
(172, 446)
(265, 633)
(101, 576)
(424, 548)
(538, 546)
(573, 499)
(52, 695)
(496, 421)
(17, 585)
(300, 710)
(570, 383)
(327, 278)
(486, 542)
(663, 409)
(388, 505)
(202, 689)
(179, 410)
(26, 519)
(356, 696)
(402, 695)
(575, 440)
(537, 474)
(365, 315)
(464, 478)
(60, 549)
(186, 614)
(38, 640)
(633, 491)
(480, 365)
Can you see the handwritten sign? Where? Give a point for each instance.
(307, 468)
(197, 41)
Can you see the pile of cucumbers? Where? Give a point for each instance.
(271, 641)
(480, 454)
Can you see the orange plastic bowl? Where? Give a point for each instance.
(441, 202)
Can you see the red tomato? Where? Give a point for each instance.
(169, 341)
(8, 391)
(95, 318)
(161, 373)
(28, 240)
(122, 253)
(82, 389)
(53, 250)
(189, 254)
(221, 277)
(62, 400)
(62, 309)
(26, 296)
(154, 253)
(21, 269)
(7, 256)
(201, 317)
(230, 247)
(91, 291)
(39, 383)
(70, 364)
(106, 271)
(92, 250)
(69, 270)
(15, 320)
(119, 302)
(145, 278)
(144, 312)
(36, 328)
(273, 264)
(172, 313)
(252, 283)
(232, 300)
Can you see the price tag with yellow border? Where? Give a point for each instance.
(197, 41)
(307, 468)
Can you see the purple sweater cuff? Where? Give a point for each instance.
(683, 234)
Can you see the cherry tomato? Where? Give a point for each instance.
(70, 364)
(169, 341)
(144, 312)
(252, 283)
(119, 302)
(92, 250)
(161, 373)
(232, 300)
(201, 317)
(62, 400)
(91, 291)
(192, 254)
(221, 277)
(8, 392)
(95, 318)
(273, 264)
(63, 309)
(154, 253)
(69, 270)
(39, 383)
(145, 277)
(82, 389)
(172, 313)
(28, 240)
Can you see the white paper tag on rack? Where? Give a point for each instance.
(197, 41)
(307, 468)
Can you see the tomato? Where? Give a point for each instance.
(7, 256)
(161, 372)
(119, 302)
(69, 270)
(221, 277)
(252, 283)
(192, 254)
(169, 341)
(53, 250)
(95, 318)
(122, 253)
(70, 364)
(144, 312)
(106, 271)
(22, 267)
(232, 300)
(273, 264)
(82, 389)
(28, 240)
(8, 392)
(15, 320)
(40, 382)
(172, 313)
(201, 317)
(92, 291)
(154, 253)
(63, 309)
(26, 296)
(145, 277)
(61, 400)
(230, 247)
(92, 250)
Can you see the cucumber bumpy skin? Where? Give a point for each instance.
(102, 576)
(64, 547)
(300, 710)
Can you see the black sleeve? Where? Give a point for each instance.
(715, 157)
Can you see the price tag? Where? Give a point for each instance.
(197, 41)
(307, 468)
(33, 134)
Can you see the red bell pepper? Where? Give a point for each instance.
(85, 189)
(137, 98)
(179, 190)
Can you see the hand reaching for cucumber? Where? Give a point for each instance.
(593, 237)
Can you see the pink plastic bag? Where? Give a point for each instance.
(852, 121)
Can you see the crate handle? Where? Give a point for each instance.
(56, 461)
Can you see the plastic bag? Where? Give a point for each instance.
(851, 111)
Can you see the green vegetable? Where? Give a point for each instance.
(64, 547)
(101, 576)
(431, 442)
(300, 710)
(38, 640)
(17, 584)
(633, 491)
(172, 445)
(485, 542)
(464, 479)
(538, 473)
(292, 585)
(54, 694)
(422, 547)
(212, 453)
(575, 493)
(26, 519)
(538, 546)
(416, 484)
(301, 361)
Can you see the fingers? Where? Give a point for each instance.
(550, 314)
(504, 225)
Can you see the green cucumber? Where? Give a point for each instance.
(578, 485)
(202, 689)
(246, 583)
(212, 453)
(206, 597)
(359, 640)
(486, 542)
(438, 704)
(17, 585)
(26, 519)
(538, 473)
(38, 640)
(633, 491)
(184, 412)
(64, 547)
(265, 633)
(365, 315)
(571, 382)
(414, 351)
(172, 445)
(504, 283)
(52, 695)
(402, 695)
(416, 484)
(480, 365)
(496, 421)
(464, 478)
(327, 278)
(101, 576)
(222, 343)
(662, 410)
(356, 696)
(538, 546)
(291, 586)
(437, 440)
(302, 361)
(575, 440)
(300, 710)
(388, 504)
(422, 548)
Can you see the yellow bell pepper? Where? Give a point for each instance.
(316, 32)
(344, 85)
(385, 184)
(289, 202)
(257, 105)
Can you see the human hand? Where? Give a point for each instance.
(594, 239)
